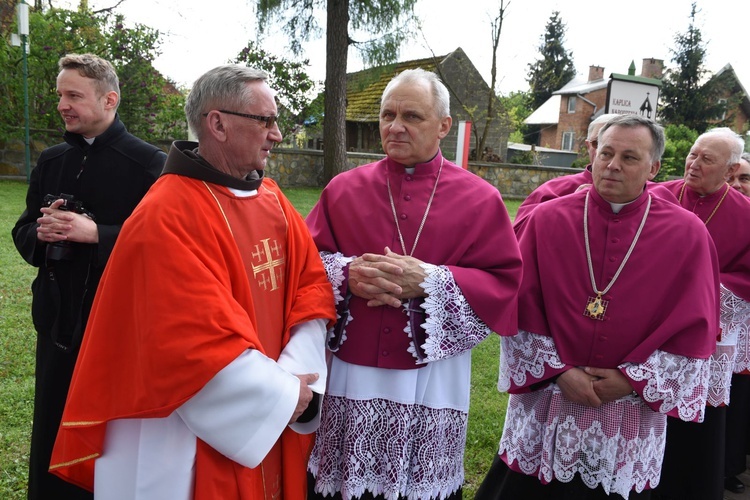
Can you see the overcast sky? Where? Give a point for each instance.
(199, 35)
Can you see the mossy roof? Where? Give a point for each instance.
(364, 88)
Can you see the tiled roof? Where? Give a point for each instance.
(364, 88)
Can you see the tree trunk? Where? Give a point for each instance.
(497, 29)
(334, 125)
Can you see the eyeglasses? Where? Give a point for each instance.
(268, 120)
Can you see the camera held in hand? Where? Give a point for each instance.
(64, 250)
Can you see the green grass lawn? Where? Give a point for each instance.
(17, 338)
(17, 341)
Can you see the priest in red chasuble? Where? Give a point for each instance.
(203, 362)
(618, 315)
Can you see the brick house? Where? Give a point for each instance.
(737, 99)
(465, 84)
(564, 118)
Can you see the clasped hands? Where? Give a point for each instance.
(593, 386)
(386, 279)
(60, 225)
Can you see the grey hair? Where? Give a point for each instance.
(746, 157)
(597, 124)
(94, 67)
(736, 142)
(631, 121)
(440, 94)
(224, 87)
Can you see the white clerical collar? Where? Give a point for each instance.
(241, 193)
(616, 207)
(410, 170)
(90, 140)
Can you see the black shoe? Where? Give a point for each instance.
(733, 484)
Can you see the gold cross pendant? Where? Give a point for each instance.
(596, 307)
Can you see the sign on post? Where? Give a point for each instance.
(633, 95)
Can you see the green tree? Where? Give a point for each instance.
(517, 104)
(685, 98)
(150, 106)
(148, 101)
(293, 86)
(679, 140)
(555, 66)
(53, 34)
(390, 22)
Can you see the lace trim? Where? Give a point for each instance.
(735, 323)
(674, 383)
(388, 448)
(720, 364)
(451, 325)
(619, 445)
(523, 355)
(334, 264)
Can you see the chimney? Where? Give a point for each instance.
(596, 73)
(652, 68)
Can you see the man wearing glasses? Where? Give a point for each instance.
(566, 184)
(219, 304)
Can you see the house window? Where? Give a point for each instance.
(567, 141)
(571, 104)
(723, 103)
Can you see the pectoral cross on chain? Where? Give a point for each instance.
(596, 307)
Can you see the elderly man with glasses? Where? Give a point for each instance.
(204, 361)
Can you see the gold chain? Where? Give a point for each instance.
(726, 192)
(424, 217)
(624, 260)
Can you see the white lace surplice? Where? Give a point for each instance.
(735, 319)
(619, 445)
(401, 432)
(723, 359)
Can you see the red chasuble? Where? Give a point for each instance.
(198, 275)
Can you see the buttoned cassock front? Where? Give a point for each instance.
(463, 213)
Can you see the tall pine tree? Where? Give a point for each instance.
(555, 66)
(687, 97)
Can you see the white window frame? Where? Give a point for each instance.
(569, 138)
(572, 104)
